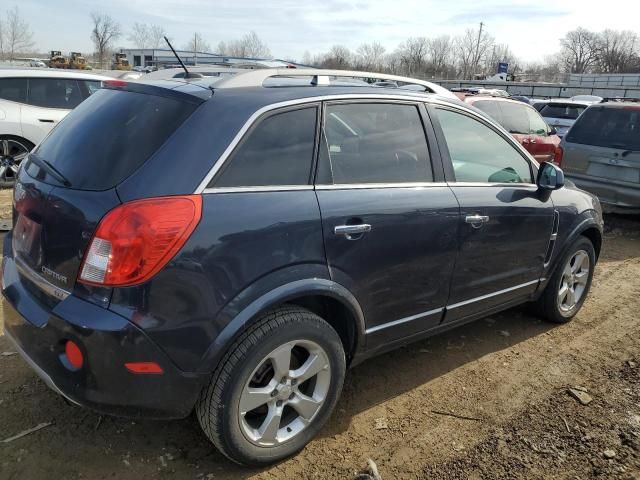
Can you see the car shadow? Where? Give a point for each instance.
(184, 448)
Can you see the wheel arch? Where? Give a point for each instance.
(326, 298)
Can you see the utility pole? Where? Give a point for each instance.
(476, 60)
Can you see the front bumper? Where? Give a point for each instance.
(107, 341)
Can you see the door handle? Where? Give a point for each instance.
(349, 230)
(476, 221)
(46, 120)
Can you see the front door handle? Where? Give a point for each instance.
(476, 221)
(352, 232)
(46, 120)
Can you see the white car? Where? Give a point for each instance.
(32, 102)
(562, 113)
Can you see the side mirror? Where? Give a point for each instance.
(552, 130)
(550, 177)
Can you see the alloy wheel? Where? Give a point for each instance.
(284, 393)
(12, 153)
(573, 282)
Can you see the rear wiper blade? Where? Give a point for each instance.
(50, 169)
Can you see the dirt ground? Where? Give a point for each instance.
(507, 375)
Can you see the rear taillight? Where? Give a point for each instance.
(557, 158)
(135, 240)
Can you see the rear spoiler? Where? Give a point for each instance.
(169, 89)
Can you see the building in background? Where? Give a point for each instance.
(163, 58)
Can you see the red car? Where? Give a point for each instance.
(523, 122)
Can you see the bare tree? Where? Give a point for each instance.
(147, 36)
(580, 50)
(18, 38)
(618, 51)
(370, 56)
(105, 31)
(339, 57)
(471, 48)
(250, 45)
(413, 55)
(197, 43)
(438, 56)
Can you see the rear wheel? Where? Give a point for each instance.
(568, 288)
(275, 389)
(13, 151)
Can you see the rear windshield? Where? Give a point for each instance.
(617, 127)
(566, 111)
(109, 135)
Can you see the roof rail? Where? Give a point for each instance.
(620, 99)
(320, 77)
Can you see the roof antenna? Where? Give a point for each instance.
(187, 74)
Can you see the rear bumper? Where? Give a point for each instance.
(611, 195)
(107, 341)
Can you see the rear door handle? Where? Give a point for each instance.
(349, 230)
(46, 120)
(476, 221)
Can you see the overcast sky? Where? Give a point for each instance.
(290, 27)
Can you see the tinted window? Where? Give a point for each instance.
(514, 117)
(479, 154)
(110, 135)
(374, 143)
(54, 93)
(278, 151)
(567, 111)
(14, 89)
(616, 127)
(91, 86)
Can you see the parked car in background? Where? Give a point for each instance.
(523, 122)
(32, 102)
(587, 98)
(601, 153)
(233, 247)
(560, 114)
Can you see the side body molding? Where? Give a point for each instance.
(277, 296)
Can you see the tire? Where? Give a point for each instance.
(224, 408)
(12, 151)
(554, 305)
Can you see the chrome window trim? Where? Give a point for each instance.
(359, 186)
(403, 320)
(260, 188)
(533, 186)
(219, 163)
(489, 295)
(41, 282)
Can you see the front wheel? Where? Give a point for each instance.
(569, 286)
(275, 388)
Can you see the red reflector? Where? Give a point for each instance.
(74, 354)
(151, 368)
(114, 83)
(557, 158)
(135, 240)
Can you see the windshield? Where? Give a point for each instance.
(514, 117)
(617, 127)
(108, 136)
(566, 111)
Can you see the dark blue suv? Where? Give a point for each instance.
(232, 247)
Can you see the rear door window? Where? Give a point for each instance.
(277, 151)
(612, 127)
(110, 135)
(54, 93)
(373, 143)
(13, 89)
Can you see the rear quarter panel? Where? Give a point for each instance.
(228, 254)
